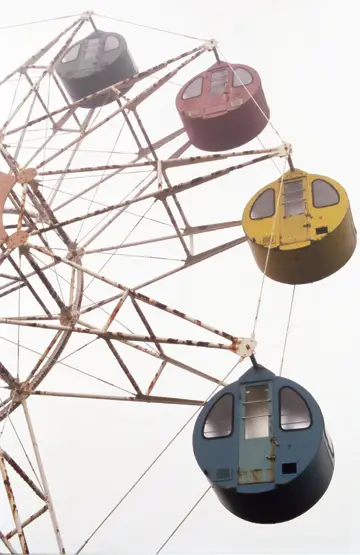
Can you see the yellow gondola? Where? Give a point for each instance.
(309, 229)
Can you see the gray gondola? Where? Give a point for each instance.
(94, 63)
(262, 444)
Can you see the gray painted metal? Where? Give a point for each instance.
(94, 69)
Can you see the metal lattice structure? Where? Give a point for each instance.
(65, 206)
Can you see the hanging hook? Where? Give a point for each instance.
(254, 362)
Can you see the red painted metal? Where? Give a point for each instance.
(230, 119)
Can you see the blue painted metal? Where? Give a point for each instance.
(267, 479)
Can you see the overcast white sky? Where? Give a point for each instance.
(306, 54)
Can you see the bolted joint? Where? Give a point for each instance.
(75, 253)
(87, 15)
(285, 150)
(69, 316)
(210, 44)
(26, 175)
(244, 347)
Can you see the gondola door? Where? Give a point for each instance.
(256, 448)
(92, 51)
(217, 90)
(294, 224)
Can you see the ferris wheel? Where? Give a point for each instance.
(103, 200)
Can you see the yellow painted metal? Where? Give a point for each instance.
(306, 243)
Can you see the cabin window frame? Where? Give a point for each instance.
(306, 404)
(331, 186)
(232, 418)
(76, 47)
(272, 189)
(235, 77)
(198, 77)
(114, 48)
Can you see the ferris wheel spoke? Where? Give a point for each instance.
(27, 284)
(22, 277)
(29, 386)
(171, 361)
(194, 259)
(9, 277)
(140, 296)
(191, 230)
(174, 163)
(110, 220)
(160, 177)
(77, 196)
(160, 195)
(35, 317)
(140, 398)
(43, 478)
(46, 282)
(60, 181)
(57, 127)
(125, 336)
(37, 375)
(50, 214)
(142, 153)
(37, 96)
(6, 253)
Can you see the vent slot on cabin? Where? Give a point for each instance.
(321, 230)
(289, 468)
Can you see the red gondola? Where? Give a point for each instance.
(223, 107)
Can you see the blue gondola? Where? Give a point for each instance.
(262, 444)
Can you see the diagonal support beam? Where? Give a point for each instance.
(13, 506)
(7, 377)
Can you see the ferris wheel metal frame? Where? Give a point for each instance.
(35, 219)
